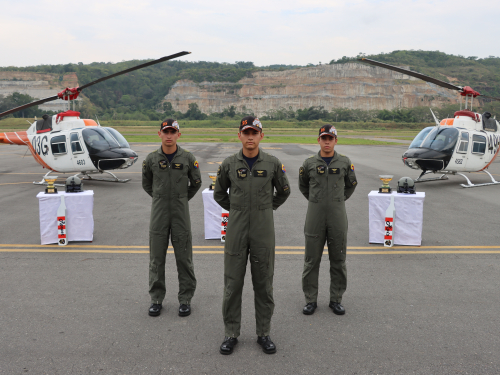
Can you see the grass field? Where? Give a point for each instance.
(276, 131)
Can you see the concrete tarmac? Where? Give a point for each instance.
(410, 310)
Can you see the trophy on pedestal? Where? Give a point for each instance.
(213, 177)
(50, 189)
(385, 178)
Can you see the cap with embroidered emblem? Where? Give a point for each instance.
(328, 130)
(250, 122)
(169, 123)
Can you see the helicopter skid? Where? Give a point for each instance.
(86, 176)
(442, 177)
(471, 185)
(43, 182)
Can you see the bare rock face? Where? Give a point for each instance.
(38, 85)
(352, 85)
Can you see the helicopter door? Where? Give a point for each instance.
(77, 151)
(461, 154)
(476, 158)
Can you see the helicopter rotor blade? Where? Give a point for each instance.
(179, 54)
(80, 88)
(24, 106)
(413, 74)
(490, 97)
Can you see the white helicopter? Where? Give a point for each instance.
(469, 142)
(65, 143)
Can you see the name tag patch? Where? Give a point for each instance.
(320, 169)
(242, 173)
(260, 173)
(333, 170)
(177, 166)
(163, 164)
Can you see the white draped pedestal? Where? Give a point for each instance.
(212, 215)
(79, 217)
(408, 220)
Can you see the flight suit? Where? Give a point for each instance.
(171, 185)
(326, 187)
(250, 231)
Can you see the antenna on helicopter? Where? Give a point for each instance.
(435, 118)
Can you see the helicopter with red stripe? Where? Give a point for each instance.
(66, 143)
(468, 142)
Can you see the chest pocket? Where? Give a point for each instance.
(262, 180)
(318, 175)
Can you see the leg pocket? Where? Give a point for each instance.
(180, 241)
(337, 246)
(260, 261)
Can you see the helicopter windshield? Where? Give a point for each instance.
(119, 138)
(441, 139)
(98, 140)
(420, 137)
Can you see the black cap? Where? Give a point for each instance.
(328, 130)
(169, 123)
(250, 122)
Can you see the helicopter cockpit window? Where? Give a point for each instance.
(478, 144)
(464, 143)
(420, 137)
(76, 147)
(58, 145)
(442, 139)
(119, 138)
(98, 140)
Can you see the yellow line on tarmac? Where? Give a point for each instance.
(277, 247)
(386, 252)
(17, 183)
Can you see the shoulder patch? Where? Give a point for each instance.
(301, 171)
(352, 167)
(283, 168)
(195, 164)
(144, 164)
(218, 170)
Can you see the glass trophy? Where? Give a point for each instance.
(50, 189)
(385, 178)
(213, 177)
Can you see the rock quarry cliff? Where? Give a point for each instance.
(351, 85)
(39, 86)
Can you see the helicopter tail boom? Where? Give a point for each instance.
(15, 138)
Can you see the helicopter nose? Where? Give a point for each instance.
(425, 159)
(119, 158)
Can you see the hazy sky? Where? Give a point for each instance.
(264, 32)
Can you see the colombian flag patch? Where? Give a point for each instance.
(283, 168)
(352, 167)
(196, 165)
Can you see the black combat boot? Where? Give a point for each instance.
(268, 346)
(228, 345)
(155, 309)
(337, 308)
(310, 308)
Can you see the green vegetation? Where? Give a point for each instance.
(139, 95)
(483, 75)
(15, 100)
(284, 139)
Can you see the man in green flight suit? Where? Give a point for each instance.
(251, 176)
(327, 180)
(171, 176)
